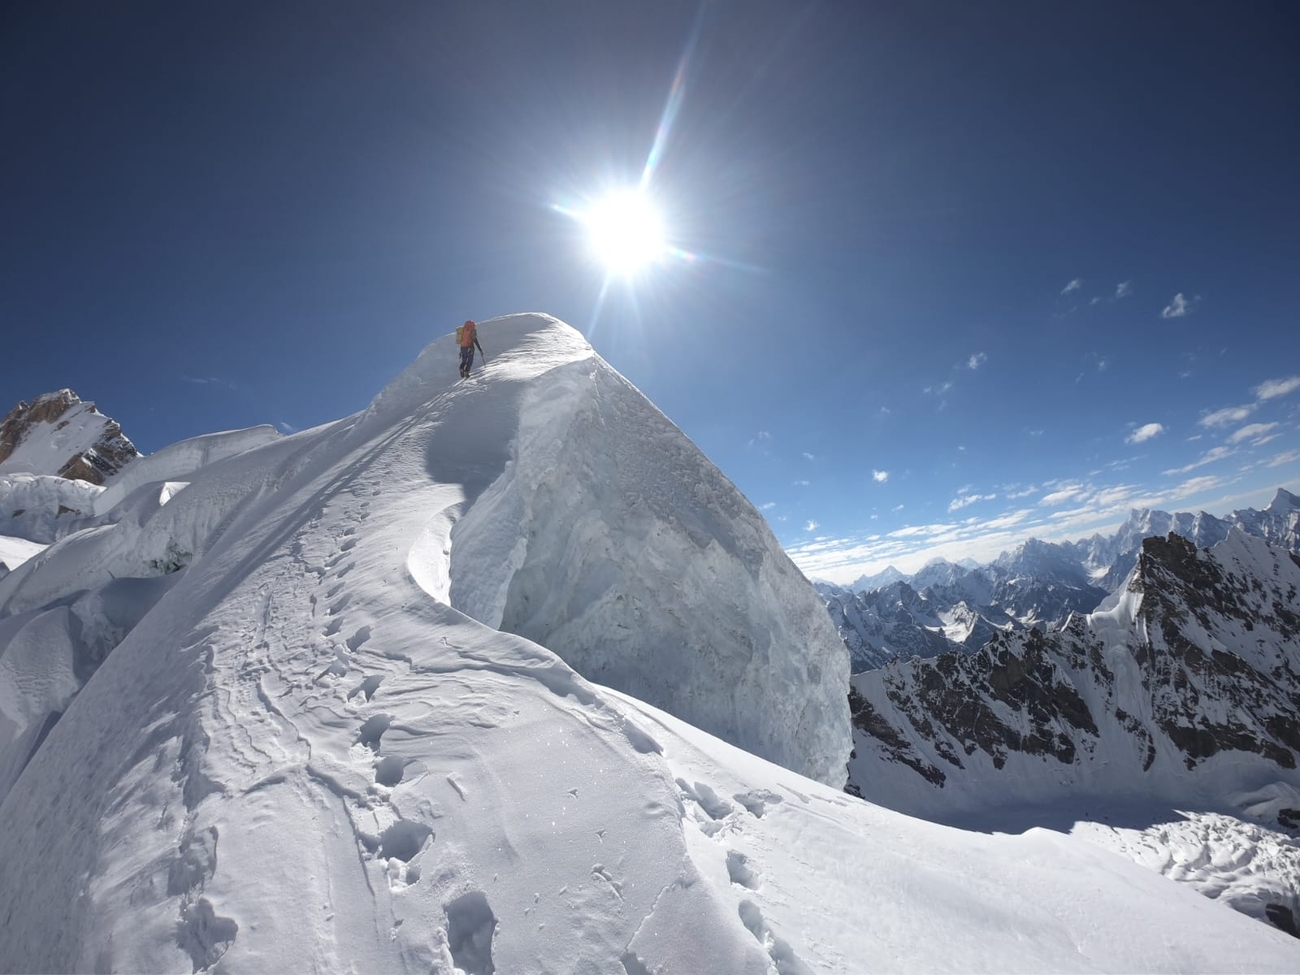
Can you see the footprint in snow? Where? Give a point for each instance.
(740, 872)
(757, 801)
(372, 730)
(779, 950)
(367, 687)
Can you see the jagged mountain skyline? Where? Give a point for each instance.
(1171, 710)
(947, 607)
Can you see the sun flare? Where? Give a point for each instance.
(625, 232)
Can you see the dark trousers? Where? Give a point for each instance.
(466, 358)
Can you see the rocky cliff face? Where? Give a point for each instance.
(1191, 673)
(59, 434)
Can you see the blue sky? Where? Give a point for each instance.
(948, 274)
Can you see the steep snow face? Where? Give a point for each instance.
(59, 434)
(633, 558)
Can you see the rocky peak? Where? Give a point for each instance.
(1283, 502)
(58, 433)
(1189, 676)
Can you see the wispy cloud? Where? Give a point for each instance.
(1074, 285)
(1179, 305)
(896, 508)
(977, 360)
(802, 483)
(811, 526)
(1123, 289)
(938, 390)
(286, 427)
(880, 477)
(1209, 457)
(1287, 458)
(1254, 432)
(956, 504)
(767, 506)
(808, 456)
(1064, 492)
(761, 438)
(1227, 416)
(1145, 433)
(210, 381)
(1273, 388)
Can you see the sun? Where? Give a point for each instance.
(625, 232)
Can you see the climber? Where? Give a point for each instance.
(467, 338)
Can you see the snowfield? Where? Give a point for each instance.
(314, 703)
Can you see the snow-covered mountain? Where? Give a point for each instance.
(1038, 584)
(889, 576)
(59, 434)
(1181, 692)
(261, 718)
(877, 626)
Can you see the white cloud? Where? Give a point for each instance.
(767, 506)
(1145, 433)
(1209, 457)
(1198, 485)
(956, 504)
(808, 456)
(1096, 300)
(912, 531)
(1012, 495)
(802, 483)
(1118, 494)
(896, 508)
(977, 360)
(1065, 492)
(1288, 457)
(811, 526)
(1179, 305)
(1227, 416)
(1252, 431)
(1276, 387)
(938, 390)
(1074, 285)
(880, 477)
(1123, 289)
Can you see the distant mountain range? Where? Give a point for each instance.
(951, 606)
(1176, 702)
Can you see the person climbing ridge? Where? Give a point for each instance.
(467, 337)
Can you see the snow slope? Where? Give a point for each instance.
(301, 755)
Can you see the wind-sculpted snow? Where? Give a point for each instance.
(646, 570)
(298, 755)
(42, 507)
(181, 460)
